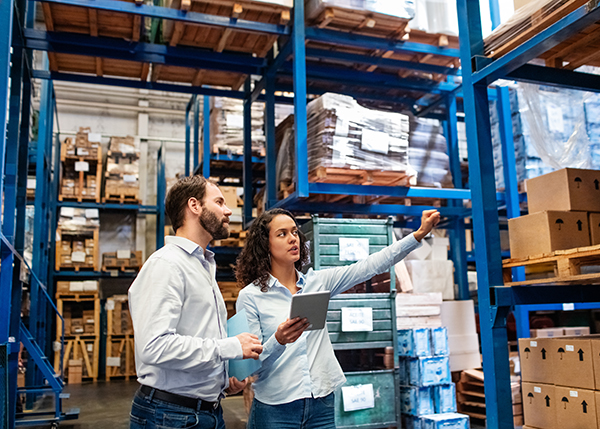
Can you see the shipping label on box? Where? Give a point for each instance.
(545, 232)
(576, 408)
(572, 362)
(547, 332)
(539, 405)
(566, 189)
(536, 360)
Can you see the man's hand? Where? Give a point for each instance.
(290, 330)
(235, 385)
(251, 346)
(429, 219)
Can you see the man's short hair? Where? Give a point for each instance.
(179, 195)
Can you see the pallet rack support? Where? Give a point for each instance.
(206, 137)
(247, 164)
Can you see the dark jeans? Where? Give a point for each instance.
(150, 413)
(308, 413)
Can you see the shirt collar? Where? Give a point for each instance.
(188, 245)
(300, 283)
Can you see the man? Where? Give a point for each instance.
(179, 318)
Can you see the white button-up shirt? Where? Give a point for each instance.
(307, 367)
(180, 323)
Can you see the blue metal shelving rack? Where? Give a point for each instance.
(495, 300)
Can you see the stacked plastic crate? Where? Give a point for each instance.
(427, 394)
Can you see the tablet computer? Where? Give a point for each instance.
(312, 306)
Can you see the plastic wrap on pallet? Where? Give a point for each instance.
(78, 220)
(404, 9)
(343, 134)
(286, 157)
(435, 16)
(428, 152)
(227, 126)
(416, 401)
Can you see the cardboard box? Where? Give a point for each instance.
(596, 362)
(576, 408)
(547, 333)
(594, 221)
(569, 189)
(536, 360)
(539, 405)
(545, 232)
(75, 371)
(63, 287)
(572, 362)
(230, 194)
(577, 331)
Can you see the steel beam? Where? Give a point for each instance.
(196, 146)
(556, 77)
(271, 155)
(247, 165)
(391, 191)
(206, 153)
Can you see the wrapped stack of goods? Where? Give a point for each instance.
(435, 16)
(558, 240)
(428, 153)
(123, 171)
(81, 162)
(561, 381)
(122, 260)
(77, 239)
(419, 309)
(427, 394)
(227, 127)
(459, 319)
(120, 346)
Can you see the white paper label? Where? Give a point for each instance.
(82, 166)
(353, 249)
(94, 137)
(90, 285)
(357, 319)
(358, 397)
(537, 389)
(110, 304)
(123, 254)
(234, 121)
(555, 119)
(92, 213)
(129, 178)
(31, 183)
(79, 220)
(573, 393)
(90, 347)
(533, 343)
(342, 127)
(569, 307)
(570, 348)
(76, 286)
(78, 256)
(67, 211)
(82, 151)
(113, 361)
(375, 141)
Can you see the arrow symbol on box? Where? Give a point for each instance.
(530, 396)
(547, 398)
(561, 351)
(543, 353)
(579, 224)
(565, 400)
(584, 404)
(526, 350)
(596, 183)
(580, 352)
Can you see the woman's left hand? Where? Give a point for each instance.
(235, 385)
(429, 219)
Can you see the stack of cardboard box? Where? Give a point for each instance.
(564, 209)
(121, 319)
(426, 388)
(122, 169)
(561, 382)
(80, 156)
(122, 259)
(418, 310)
(77, 238)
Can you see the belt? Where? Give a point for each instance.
(184, 401)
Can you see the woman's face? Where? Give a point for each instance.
(284, 240)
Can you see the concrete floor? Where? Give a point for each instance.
(107, 406)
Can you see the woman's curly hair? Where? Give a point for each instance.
(254, 263)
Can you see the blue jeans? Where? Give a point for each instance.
(150, 413)
(307, 413)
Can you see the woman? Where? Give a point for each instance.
(299, 372)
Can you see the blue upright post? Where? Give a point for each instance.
(247, 164)
(300, 117)
(188, 132)
(206, 137)
(271, 156)
(494, 338)
(458, 242)
(196, 132)
(495, 13)
(160, 197)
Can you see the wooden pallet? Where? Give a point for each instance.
(78, 265)
(95, 169)
(226, 39)
(98, 66)
(108, 268)
(355, 21)
(358, 177)
(121, 199)
(125, 351)
(581, 49)
(559, 267)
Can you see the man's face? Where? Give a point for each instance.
(215, 214)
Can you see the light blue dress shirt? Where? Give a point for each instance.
(180, 323)
(308, 367)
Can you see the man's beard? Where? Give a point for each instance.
(212, 225)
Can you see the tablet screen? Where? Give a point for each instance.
(312, 306)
